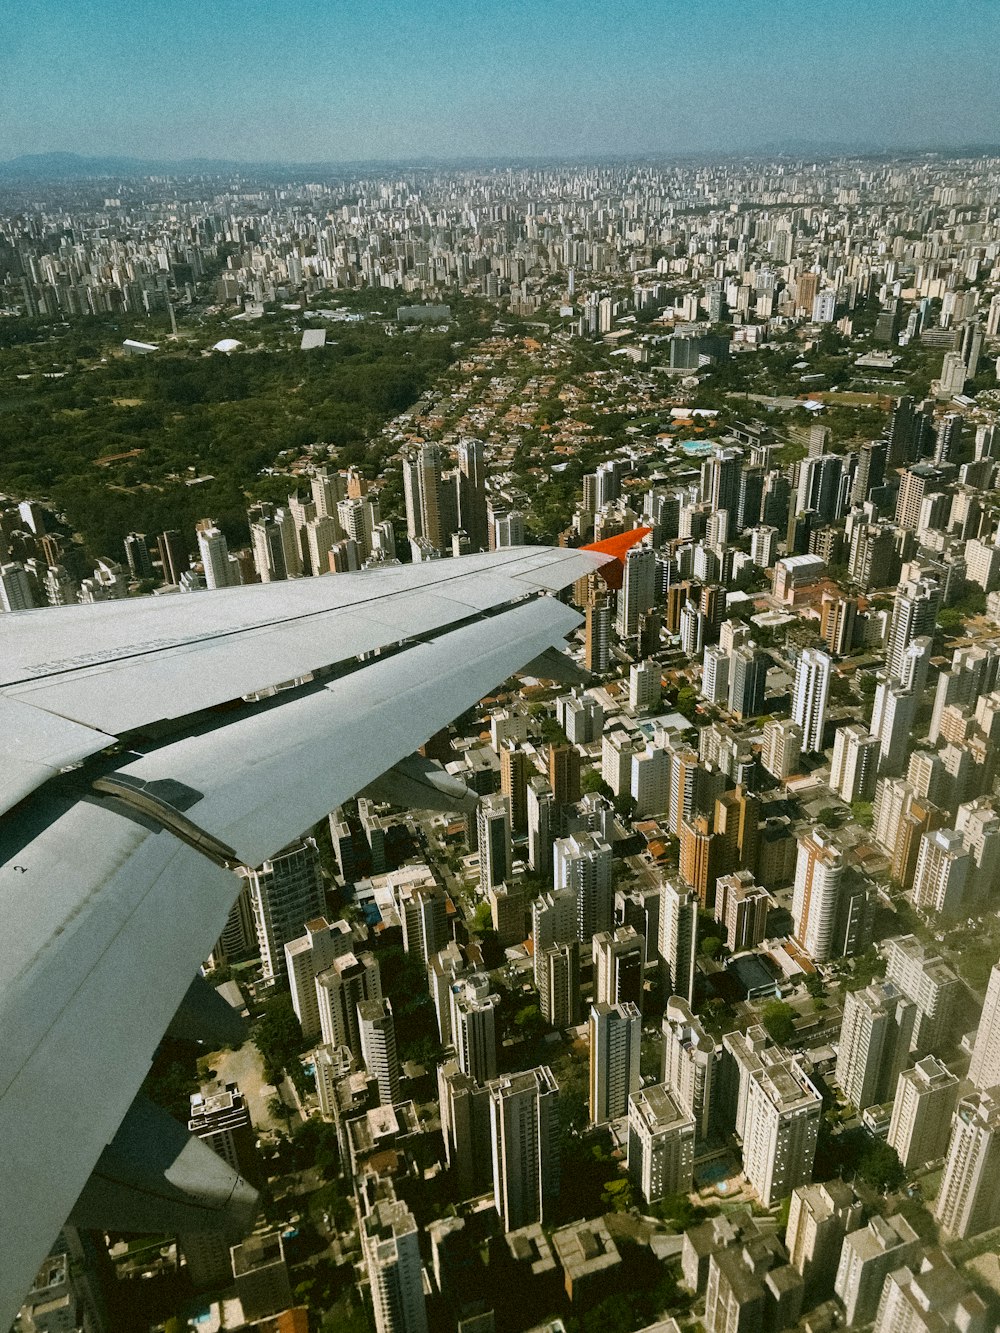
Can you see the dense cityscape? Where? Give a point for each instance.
(689, 1016)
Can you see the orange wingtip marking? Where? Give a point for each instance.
(617, 546)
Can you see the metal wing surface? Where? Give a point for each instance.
(117, 877)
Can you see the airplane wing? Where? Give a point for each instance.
(150, 747)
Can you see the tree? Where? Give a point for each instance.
(711, 946)
(778, 1019)
(880, 1167)
(617, 1195)
(625, 805)
(592, 781)
(278, 1037)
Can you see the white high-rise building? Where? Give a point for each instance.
(340, 988)
(473, 1026)
(643, 687)
(661, 1135)
(715, 674)
(619, 957)
(855, 763)
(984, 1069)
(583, 863)
(524, 1132)
(390, 1241)
(942, 873)
(819, 1217)
(15, 588)
(377, 1033)
(922, 974)
(780, 1129)
(638, 590)
(305, 958)
(809, 697)
(650, 784)
(615, 1037)
(819, 874)
(869, 1255)
(921, 1112)
(930, 1297)
(968, 1200)
(285, 892)
(679, 939)
(782, 748)
(690, 1064)
(874, 1043)
(213, 551)
(541, 825)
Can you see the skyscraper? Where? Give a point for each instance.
(921, 1112)
(869, 1255)
(638, 590)
(782, 748)
(305, 958)
(984, 1069)
(615, 1037)
(968, 1200)
(747, 681)
(390, 1242)
(213, 551)
(690, 1064)
(855, 763)
(472, 493)
(661, 1136)
(285, 892)
(495, 848)
(780, 1129)
(819, 874)
(540, 804)
(914, 615)
(524, 1132)
(809, 697)
(679, 940)
(340, 988)
(618, 966)
(377, 1033)
(473, 1026)
(874, 1043)
(583, 863)
(819, 1217)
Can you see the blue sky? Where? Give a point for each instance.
(309, 80)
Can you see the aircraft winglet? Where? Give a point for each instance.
(617, 546)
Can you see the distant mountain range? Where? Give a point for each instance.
(75, 166)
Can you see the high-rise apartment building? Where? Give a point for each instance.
(557, 979)
(390, 1243)
(495, 847)
(869, 1255)
(285, 892)
(213, 551)
(928, 1296)
(305, 958)
(855, 763)
(747, 681)
(690, 1064)
(874, 1043)
(619, 959)
(942, 872)
(819, 874)
(524, 1132)
(340, 988)
(661, 1136)
(583, 863)
(809, 697)
(968, 1200)
(921, 1112)
(984, 1069)
(638, 590)
(473, 1026)
(922, 974)
(782, 748)
(540, 814)
(615, 1037)
(780, 1128)
(679, 939)
(819, 1217)
(377, 1032)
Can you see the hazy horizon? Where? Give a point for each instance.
(434, 79)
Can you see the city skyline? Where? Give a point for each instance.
(437, 81)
